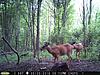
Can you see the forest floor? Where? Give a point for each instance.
(33, 65)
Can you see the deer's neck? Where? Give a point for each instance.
(49, 49)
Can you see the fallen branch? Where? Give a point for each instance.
(12, 49)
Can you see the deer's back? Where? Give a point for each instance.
(62, 49)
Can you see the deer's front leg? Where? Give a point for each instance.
(78, 56)
(69, 58)
(56, 58)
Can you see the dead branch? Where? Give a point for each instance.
(12, 49)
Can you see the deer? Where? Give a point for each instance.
(78, 47)
(58, 50)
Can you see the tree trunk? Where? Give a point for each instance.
(33, 18)
(58, 6)
(64, 14)
(48, 24)
(89, 21)
(28, 33)
(17, 30)
(64, 18)
(54, 16)
(38, 33)
(84, 27)
(58, 21)
(6, 27)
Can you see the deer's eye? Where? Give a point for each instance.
(43, 47)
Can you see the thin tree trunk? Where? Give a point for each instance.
(17, 30)
(54, 17)
(48, 23)
(58, 16)
(64, 14)
(58, 6)
(84, 27)
(5, 26)
(28, 33)
(33, 39)
(64, 18)
(38, 33)
(89, 21)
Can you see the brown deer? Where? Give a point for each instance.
(78, 48)
(59, 50)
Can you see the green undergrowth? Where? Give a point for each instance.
(26, 55)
